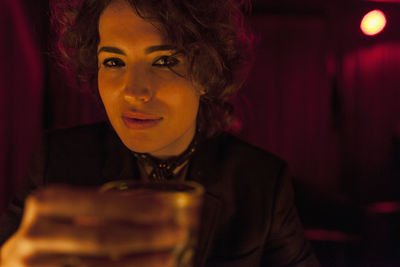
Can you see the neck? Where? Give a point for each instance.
(177, 147)
(161, 170)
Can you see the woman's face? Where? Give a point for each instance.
(152, 109)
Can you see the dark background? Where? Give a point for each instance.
(321, 95)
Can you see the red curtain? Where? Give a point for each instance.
(371, 104)
(289, 95)
(69, 105)
(20, 96)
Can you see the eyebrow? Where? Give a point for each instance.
(111, 49)
(154, 48)
(148, 50)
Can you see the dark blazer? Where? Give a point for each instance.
(249, 218)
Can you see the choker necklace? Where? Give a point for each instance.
(163, 170)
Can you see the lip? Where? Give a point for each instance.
(140, 115)
(140, 121)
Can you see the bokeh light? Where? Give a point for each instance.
(373, 22)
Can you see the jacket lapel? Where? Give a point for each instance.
(204, 170)
(210, 216)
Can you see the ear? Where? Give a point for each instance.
(200, 89)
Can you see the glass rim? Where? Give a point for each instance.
(195, 188)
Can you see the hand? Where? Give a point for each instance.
(65, 226)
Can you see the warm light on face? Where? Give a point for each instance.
(152, 109)
(373, 22)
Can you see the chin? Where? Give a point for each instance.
(139, 146)
(137, 142)
(140, 143)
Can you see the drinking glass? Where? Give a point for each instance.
(183, 201)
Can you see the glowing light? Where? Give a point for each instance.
(373, 22)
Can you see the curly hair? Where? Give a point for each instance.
(210, 33)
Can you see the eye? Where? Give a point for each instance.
(113, 63)
(166, 61)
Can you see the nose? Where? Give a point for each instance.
(143, 96)
(136, 88)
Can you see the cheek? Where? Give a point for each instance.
(182, 97)
(108, 88)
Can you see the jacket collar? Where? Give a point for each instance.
(119, 163)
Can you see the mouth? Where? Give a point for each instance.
(140, 121)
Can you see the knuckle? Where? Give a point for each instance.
(20, 249)
(31, 202)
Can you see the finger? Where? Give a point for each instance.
(64, 201)
(160, 259)
(118, 238)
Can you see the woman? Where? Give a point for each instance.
(165, 71)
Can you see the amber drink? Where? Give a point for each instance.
(182, 202)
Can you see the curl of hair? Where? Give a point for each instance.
(210, 33)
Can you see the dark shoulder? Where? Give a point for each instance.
(234, 148)
(235, 159)
(78, 132)
(78, 136)
(77, 143)
(76, 155)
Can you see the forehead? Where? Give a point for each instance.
(120, 22)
